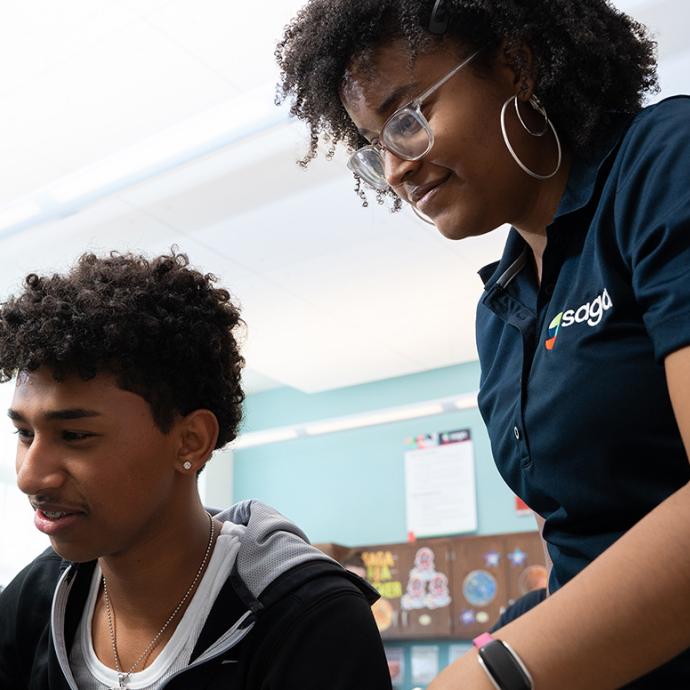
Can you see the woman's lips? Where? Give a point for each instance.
(427, 197)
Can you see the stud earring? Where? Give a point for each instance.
(187, 465)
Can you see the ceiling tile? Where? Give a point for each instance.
(106, 98)
(40, 36)
(236, 39)
(312, 349)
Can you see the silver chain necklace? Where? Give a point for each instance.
(122, 676)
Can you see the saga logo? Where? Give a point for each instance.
(591, 313)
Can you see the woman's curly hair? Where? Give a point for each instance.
(591, 62)
(160, 327)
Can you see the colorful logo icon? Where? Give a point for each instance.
(554, 327)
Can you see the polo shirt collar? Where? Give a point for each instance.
(514, 248)
(579, 191)
(584, 172)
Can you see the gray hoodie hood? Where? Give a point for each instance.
(270, 544)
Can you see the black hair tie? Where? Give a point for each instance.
(438, 24)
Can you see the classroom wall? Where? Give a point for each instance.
(348, 487)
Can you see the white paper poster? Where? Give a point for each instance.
(440, 492)
(396, 665)
(424, 663)
(455, 651)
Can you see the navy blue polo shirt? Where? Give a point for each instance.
(573, 390)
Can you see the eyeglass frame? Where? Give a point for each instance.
(416, 107)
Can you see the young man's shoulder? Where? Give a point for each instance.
(301, 597)
(25, 606)
(34, 585)
(313, 628)
(311, 621)
(324, 628)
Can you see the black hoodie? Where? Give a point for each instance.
(287, 618)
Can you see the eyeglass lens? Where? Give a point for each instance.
(368, 164)
(406, 134)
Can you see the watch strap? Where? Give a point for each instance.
(482, 639)
(503, 666)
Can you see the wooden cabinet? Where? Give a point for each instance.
(489, 573)
(414, 582)
(479, 585)
(526, 564)
(456, 587)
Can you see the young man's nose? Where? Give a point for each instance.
(39, 468)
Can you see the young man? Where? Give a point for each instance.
(127, 378)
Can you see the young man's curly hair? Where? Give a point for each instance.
(161, 328)
(591, 62)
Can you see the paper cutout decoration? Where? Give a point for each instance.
(426, 588)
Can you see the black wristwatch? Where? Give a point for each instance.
(504, 668)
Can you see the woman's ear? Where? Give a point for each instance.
(518, 60)
(197, 433)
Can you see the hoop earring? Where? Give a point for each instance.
(547, 124)
(536, 105)
(421, 216)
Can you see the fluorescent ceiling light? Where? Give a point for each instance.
(213, 129)
(466, 402)
(383, 417)
(18, 213)
(329, 426)
(260, 438)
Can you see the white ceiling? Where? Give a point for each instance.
(333, 294)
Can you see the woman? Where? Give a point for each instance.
(479, 113)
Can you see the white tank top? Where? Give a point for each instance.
(89, 671)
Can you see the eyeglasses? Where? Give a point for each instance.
(406, 134)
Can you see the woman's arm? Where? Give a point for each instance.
(547, 556)
(626, 613)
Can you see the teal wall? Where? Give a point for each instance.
(348, 487)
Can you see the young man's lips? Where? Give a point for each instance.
(52, 521)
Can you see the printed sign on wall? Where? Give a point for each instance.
(424, 663)
(440, 492)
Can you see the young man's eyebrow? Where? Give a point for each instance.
(70, 413)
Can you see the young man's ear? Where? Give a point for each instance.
(198, 433)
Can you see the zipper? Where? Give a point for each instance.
(227, 641)
(64, 587)
(218, 648)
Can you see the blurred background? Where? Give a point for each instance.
(139, 124)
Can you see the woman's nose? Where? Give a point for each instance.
(397, 169)
(39, 469)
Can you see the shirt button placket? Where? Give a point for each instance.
(521, 446)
